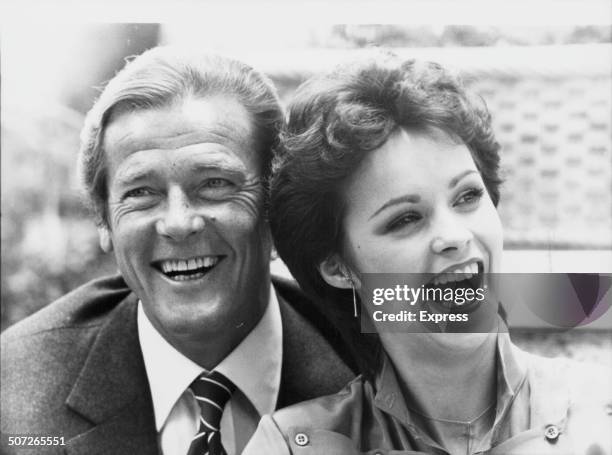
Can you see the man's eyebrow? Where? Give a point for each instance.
(458, 178)
(410, 198)
(130, 176)
(233, 167)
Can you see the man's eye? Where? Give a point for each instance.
(470, 196)
(217, 183)
(138, 192)
(404, 220)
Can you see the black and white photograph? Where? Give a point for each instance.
(307, 229)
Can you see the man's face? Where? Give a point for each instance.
(185, 222)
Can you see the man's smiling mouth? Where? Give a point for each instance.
(187, 269)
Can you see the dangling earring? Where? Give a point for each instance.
(354, 296)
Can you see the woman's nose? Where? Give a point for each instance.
(180, 219)
(451, 235)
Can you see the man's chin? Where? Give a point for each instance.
(193, 318)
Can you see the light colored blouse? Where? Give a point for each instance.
(543, 406)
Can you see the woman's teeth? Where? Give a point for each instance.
(459, 274)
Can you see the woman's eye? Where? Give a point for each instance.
(471, 196)
(403, 220)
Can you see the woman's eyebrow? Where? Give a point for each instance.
(458, 178)
(411, 198)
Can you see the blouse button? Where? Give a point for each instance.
(301, 439)
(551, 433)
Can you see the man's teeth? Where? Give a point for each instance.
(457, 274)
(188, 265)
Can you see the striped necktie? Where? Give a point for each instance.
(211, 390)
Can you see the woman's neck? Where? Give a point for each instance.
(445, 376)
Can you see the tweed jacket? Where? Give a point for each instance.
(75, 370)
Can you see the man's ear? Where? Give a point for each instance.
(335, 273)
(106, 242)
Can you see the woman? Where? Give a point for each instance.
(389, 166)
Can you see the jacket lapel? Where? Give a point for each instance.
(112, 391)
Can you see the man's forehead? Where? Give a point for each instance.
(213, 123)
(219, 116)
(192, 160)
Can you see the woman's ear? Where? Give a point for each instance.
(106, 242)
(335, 273)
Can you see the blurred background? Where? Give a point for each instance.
(549, 90)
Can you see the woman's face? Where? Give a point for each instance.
(418, 205)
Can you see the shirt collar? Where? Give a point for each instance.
(511, 370)
(256, 375)
(255, 365)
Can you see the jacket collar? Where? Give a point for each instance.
(311, 366)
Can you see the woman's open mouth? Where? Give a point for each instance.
(459, 289)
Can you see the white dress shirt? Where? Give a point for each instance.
(254, 366)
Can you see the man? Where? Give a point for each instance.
(175, 157)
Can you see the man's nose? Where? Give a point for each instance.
(451, 234)
(180, 218)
